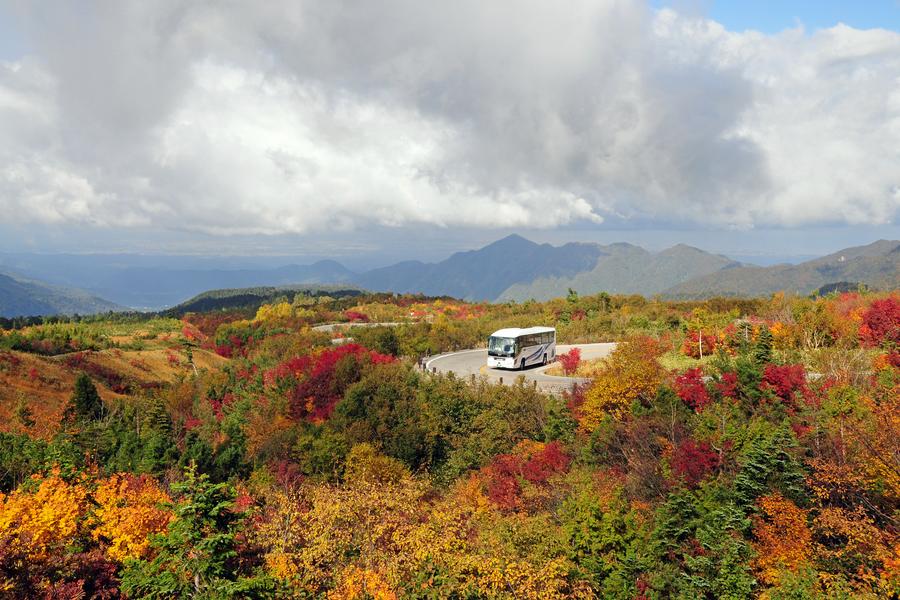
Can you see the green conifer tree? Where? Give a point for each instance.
(198, 557)
(762, 350)
(85, 405)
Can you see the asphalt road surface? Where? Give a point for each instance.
(474, 362)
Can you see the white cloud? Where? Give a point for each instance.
(296, 117)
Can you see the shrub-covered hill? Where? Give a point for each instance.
(22, 297)
(37, 372)
(728, 448)
(253, 298)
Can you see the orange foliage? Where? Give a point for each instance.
(357, 584)
(128, 513)
(858, 539)
(784, 540)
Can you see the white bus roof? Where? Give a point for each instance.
(512, 332)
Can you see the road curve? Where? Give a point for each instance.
(474, 362)
(330, 327)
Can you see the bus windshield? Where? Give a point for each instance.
(501, 346)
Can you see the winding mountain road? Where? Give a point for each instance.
(467, 363)
(474, 362)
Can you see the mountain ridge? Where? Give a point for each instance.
(21, 296)
(511, 268)
(876, 265)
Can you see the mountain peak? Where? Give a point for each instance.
(513, 240)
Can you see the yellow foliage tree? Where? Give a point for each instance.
(129, 510)
(313, 533)
(361, 584)
(274, 312)
(631, 373)
(34, 523)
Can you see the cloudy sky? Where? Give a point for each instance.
(405, 127)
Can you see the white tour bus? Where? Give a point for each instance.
(516, 348)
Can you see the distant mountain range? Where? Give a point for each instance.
(627, 269)
(517, 269)
(512, 268)
(24, 297)
(487, 273)
(876, 265)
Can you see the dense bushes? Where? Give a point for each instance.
(305, 469)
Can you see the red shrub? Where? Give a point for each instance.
(575, 398)
(33, 374)
(287, 474)
(315, 383)
(728, 385)
(546, 463)
(503, 487)
(881, 323)
(570, 360)
(356, 317)
(692, 390)
(243, 501)
(224, 350)
(218, 405)
(691, 345)
(787, 382)
(504, 476)
(247, 373)
(693, 461)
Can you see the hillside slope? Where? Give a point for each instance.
(877, 265)
(627, 269)
(485, 273)
(242, 298)
(25, 297)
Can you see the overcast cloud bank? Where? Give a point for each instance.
(292, 117)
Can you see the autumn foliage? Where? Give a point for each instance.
(129, 510)
(37, 524)
(532, 463)
(299, 468)
(881, 323)
(783, 537)
(631, 373)
(693, 461)
(697, 344)
(692, 389)
(788, 383)
(570, 361)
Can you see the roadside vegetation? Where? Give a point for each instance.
(728, 448)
